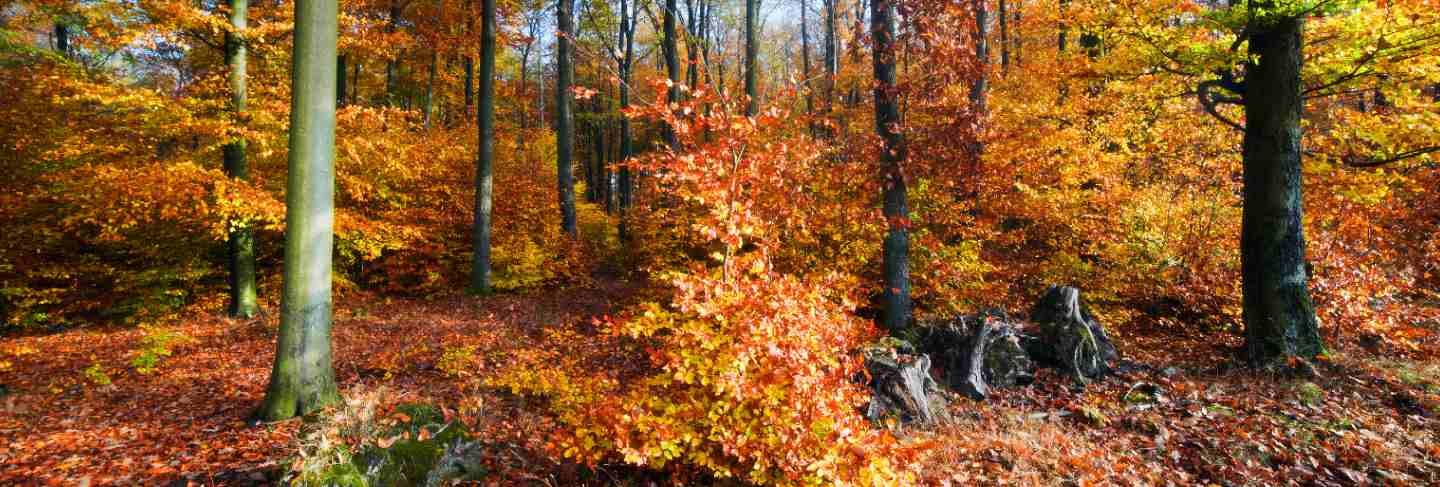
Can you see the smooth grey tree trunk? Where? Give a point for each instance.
(480, 272)
(564, 121)
(887, 126)
(241, 241)
(303, 380)
(1279, 315)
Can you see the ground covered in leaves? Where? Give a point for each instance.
(75, 410)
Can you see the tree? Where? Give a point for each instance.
(564, 121)
(470, 61)
(752, 12)
(303, 380)
(805, 56)
(892, 156)
(484, 167)
(626, 62)
(241, 240)
(1279, 316)
(672, 66)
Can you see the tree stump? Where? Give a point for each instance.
(900, 385)
(1069, 336)
(979, 352)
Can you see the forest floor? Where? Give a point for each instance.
(1367, 416)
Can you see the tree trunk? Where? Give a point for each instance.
(982, 56)
(805, 58)
(525, 85)
(831, 66)
(355, 85)
(241, 240)
(303, 380)
(672, 67)
(692, 60)
(430, 88)
(340, 81)
(565, 124)
(887, 126)
(1004, 38)
(470, 61)
(480, 272)
(62, 39)
(978, 88)
(392, 66)
(752, 14)
(627, 29)
(1279, 316)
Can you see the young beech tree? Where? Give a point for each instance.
(302, 379)
(892, 156)
(484, 167)
(564, 121)
(241, 241)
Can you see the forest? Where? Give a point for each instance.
(719, 242)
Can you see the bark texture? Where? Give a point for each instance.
(1278, 313)
(303, 380)
(564, 120)
(241, 241)
(480, 271)
(895, 208)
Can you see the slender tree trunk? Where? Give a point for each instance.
(355, 85)
(831, 62)
(672, 66)
(805, 58)
(303, 380)
(525, 85)
(627, 37)
(392, 66)
(1004, 38)
(470, 61)
(241, 241)
(752, 14)
(564, 122)
(982, 56)
(892, 157)
(480, 272)
(692, 61)
(1019, 36)
(430, 88)
(1063, 36)
(340, 81)
(978, 92)
(1279, 316)
(62, 39)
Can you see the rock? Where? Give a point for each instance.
(900, 385)
(1069, 336)
(978, 352)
